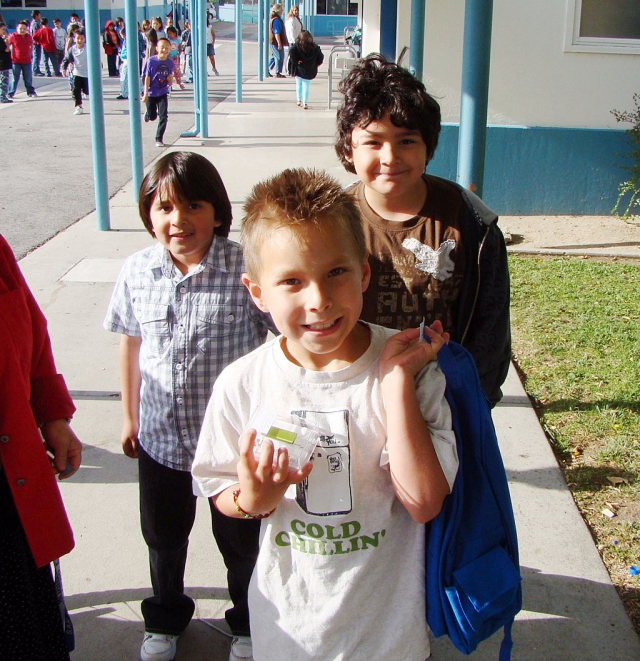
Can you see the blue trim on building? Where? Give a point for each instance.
(322, 25)
(544, 170)
(319, 26)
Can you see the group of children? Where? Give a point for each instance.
(325, 559)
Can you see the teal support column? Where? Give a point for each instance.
(98, 140)
(195, 63)
(267, 50)
(133, 79)
(416, 38)
(388, 28)
(203, 104)
(476, 56)
(260, 40)
(238, 52)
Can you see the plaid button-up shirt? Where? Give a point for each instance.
(192, 326)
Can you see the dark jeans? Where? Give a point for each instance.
(167, 513)
(53, 59)
(158, 108)
(80, 84)
(35, 60)
(112, 65)
(25, 69)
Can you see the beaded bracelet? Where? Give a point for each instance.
(248, 515)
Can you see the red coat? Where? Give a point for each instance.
(31, 393)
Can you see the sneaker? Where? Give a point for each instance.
(158, 647)
(7, 100)
(305, 106)
(32, 95)
(120, 96)
(241, 649)
(183, 86)
(10, 95)
(146, 117)
(279, 75)
(215, 71)
(159, 143)
(299, 103)
(78, 110)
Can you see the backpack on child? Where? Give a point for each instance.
(473, 583)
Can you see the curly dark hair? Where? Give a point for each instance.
(187, 176)
(375, 87)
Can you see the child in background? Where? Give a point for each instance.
(188, 55)
(77, 55)
(183, 315)
(436, 249)
(158, 77)
(124, 65)
(174, 54)
(5, 65)
(60, 36)
(341, 562)
(156, 24)
(72, 30)
(305, 57)
(45, 37)
(21, 44)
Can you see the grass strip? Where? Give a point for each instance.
(576, 343)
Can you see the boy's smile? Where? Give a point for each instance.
(185, 229)
(390, 161)
(311, 281)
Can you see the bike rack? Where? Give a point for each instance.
(344, 64)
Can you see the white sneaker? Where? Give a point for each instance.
(158, 647)
(241, 649)
(159, 143)
(78, 110)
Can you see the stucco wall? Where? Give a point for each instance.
(534, 82)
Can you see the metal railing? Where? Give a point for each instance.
(343, 64)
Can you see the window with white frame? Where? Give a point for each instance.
(603, 26)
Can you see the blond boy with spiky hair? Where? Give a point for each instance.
(340, 574)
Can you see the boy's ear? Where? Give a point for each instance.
(366, 272)
(255, 292)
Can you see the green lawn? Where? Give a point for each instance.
(576, 341)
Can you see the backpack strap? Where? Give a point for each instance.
(507, 643)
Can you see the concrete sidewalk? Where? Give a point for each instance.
(571, 610)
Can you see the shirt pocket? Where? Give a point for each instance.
(215, 324)
(154, 326)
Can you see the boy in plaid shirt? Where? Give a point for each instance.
(184, 315)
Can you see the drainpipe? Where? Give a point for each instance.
(416, 39)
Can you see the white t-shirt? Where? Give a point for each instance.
(340, 573)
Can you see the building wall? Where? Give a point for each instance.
(553, 146)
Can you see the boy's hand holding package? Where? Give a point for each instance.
(263, 481)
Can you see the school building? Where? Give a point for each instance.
(557, 69)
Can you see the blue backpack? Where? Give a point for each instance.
(473, 583)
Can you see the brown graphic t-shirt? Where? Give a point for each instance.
(417, 265)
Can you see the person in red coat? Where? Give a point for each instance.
(36, 443)
(111, 44)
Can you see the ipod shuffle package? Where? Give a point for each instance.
(291, 432)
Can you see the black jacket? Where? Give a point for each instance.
(305, 65)
(484, 325)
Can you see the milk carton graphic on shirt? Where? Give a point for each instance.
(327, 489)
